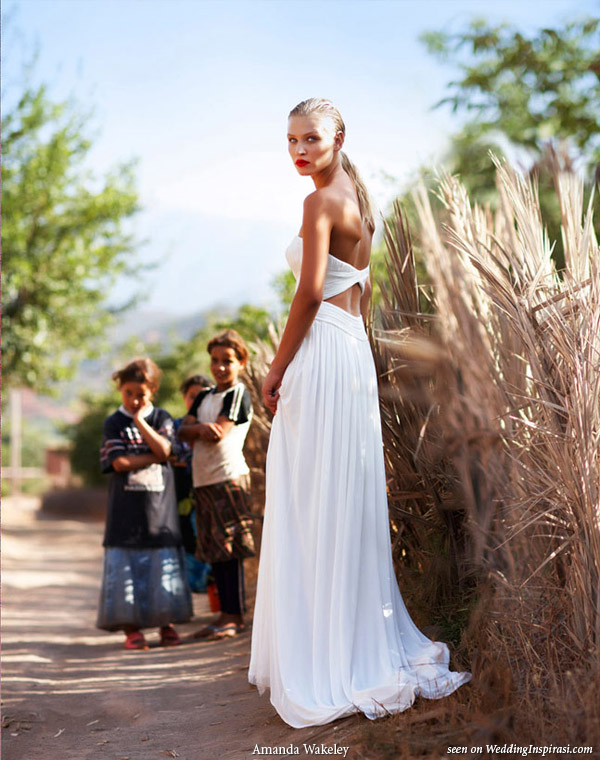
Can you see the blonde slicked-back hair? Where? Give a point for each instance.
(326, 109)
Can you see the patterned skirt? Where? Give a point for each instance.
(144, 588)
(223, 521)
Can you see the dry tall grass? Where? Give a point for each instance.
(490, 401)
(491, 412)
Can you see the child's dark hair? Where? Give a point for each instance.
(139, 371)
(230, 339)
(200, 380)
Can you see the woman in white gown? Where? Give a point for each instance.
(331, 634)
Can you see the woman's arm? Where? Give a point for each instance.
(161, 446)
(134, 462)
(316, 229)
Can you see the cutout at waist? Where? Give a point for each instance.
(338, 300)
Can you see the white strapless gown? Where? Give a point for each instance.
(331, 634)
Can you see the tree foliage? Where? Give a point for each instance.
(64, 240)
(534, 98)
(284, 285)
(251, 322)
(530, 90)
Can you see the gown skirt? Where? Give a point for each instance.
(331, 634)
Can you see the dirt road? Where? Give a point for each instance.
(70, 692)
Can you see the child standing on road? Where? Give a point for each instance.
(217, 424)
(181, 459)
(144, 583)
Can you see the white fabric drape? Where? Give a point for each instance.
(331, 633)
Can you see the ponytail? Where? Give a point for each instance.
(364, 201)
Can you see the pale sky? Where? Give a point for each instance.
(199, 91)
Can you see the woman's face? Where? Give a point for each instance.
(312, 143)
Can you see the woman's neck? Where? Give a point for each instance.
(326, 177)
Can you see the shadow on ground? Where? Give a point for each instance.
(70, 692)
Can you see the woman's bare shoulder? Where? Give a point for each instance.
(324, 200)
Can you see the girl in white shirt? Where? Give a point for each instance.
(217, 424)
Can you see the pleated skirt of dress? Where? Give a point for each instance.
(331, 634)
(144, 588)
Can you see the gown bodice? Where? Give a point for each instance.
(339, 275)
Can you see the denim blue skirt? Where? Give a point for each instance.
(144, 588)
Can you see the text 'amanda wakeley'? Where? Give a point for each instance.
(309, 749)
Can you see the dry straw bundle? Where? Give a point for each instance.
(491, 411)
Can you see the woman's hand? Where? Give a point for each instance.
(270, 389)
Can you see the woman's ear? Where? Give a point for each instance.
(338, 140)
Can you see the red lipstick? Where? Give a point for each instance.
(301, 162)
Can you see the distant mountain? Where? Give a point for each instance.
(156, 327)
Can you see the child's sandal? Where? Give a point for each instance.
(227, 631)
(135, 640)
(169, 637)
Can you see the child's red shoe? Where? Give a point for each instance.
(169, 637)
(135, 640)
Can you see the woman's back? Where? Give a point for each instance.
(350, 239)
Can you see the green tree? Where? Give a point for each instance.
(531, 90)
(534, 98)
(86, 436)
(251, 322)
(284, 285)
(64, 240)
